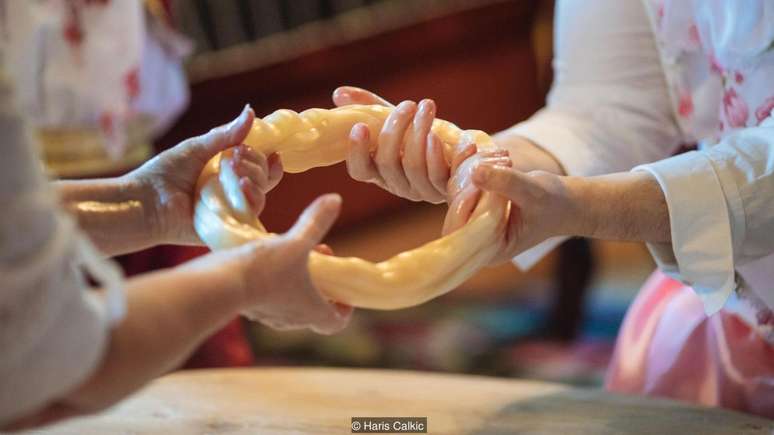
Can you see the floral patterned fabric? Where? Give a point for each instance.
(718, 59)
(93, 64)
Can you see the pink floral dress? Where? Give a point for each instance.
(718, 58)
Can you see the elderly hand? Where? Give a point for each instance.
(543, 205)
(273, 272)
(170, 178)
(620, 206)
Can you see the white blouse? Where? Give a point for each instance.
(635, 79)
(74, 65)
(53, 328)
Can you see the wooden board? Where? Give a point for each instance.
(322, 401)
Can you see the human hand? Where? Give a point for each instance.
(463, 195)
(409, 159)
(169, 179)
(273, 272)
(267, 280)
(534, 205)
(543, 205)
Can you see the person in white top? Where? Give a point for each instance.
(68, 349)
(635, 79)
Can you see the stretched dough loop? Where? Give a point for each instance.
(319, 137)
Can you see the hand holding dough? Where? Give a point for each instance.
(318, 137)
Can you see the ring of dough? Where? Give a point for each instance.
(319, 137)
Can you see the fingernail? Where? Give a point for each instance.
(426, 106)
(242, 114)
(360, 132)
(406, 106)
(239, 119)
(333, 199)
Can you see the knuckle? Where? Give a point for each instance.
(413, 195)
(412, 165)
(357, 173)
(439, 181)
(358, 177)
(386, 161)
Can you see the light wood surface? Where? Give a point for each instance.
(322, 401)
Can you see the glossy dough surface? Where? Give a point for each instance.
(318, 137)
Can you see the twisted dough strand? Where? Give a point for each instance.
(318, 137)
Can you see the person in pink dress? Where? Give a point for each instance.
(635, 80)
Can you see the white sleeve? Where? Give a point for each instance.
(609, 108)
(53, 328)
(721, 211)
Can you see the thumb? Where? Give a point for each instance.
(345, 95)
(315, 222)
(510, 183)
(225, 136)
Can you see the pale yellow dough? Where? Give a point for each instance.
(318, 137)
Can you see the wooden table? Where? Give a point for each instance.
(322, 401)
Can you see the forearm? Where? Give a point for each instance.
(526, 155)
(114, 212)
(622, 206)
(161, 329)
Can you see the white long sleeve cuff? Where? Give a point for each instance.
(701, 252)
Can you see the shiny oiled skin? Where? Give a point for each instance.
(318, 137)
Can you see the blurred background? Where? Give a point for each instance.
(487, 64)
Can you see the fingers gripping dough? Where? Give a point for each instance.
(318, 137)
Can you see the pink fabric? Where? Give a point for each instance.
(668, 347)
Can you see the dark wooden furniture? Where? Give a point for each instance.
(487, 65)
(477, 64)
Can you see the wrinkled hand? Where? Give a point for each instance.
(274, 272)
(542, 206)
(409, 159)
(170, 178)
(463, 195)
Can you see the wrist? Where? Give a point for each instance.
(621, 206)
(224, 270)
(146, 192)
(117, 213)
(584, 201)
